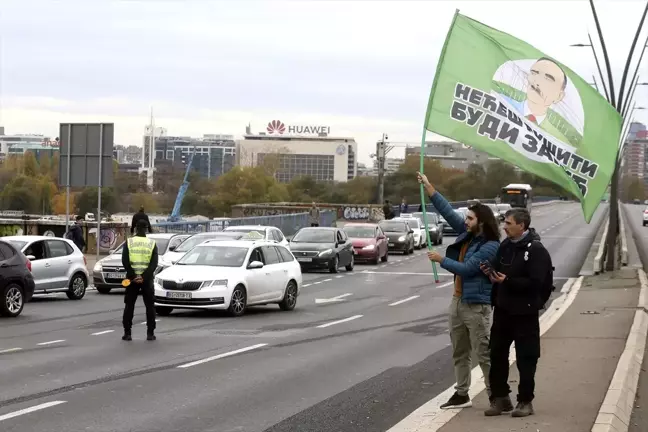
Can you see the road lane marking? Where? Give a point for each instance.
(102, 332)
(404, 300)
(51, 342)
(224, 355)
(142, 323)
(406, 273)
(333, 299)
(10, 350)
(327, 280)
(30, 410)
(332, 323)
(338, 277)
(306, 285)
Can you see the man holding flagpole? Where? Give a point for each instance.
(470, 309)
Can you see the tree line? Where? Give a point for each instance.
(31, 185)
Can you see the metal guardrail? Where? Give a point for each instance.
(289, 224)
(623, 239)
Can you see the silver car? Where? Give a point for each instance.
(108, 273)
(57, 264)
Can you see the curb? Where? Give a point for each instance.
(624, 240)
(598, 259)
(616, 410)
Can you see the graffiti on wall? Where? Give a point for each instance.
(356, 212)
(10, 230)
(109, 238)
(250, 211)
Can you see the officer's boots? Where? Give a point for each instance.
(150, 335)
(127, 335)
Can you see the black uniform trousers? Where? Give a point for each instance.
(148, 294)
(524, 330)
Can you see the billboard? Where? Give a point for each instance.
(86, 154)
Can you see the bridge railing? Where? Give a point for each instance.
(289, 224)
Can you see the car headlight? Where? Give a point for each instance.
(98, 267)
(369, 247)
(326, 252)
(157, 281)
(401, 238)
(217, 282)
(433, 229)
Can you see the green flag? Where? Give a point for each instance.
(499, 94)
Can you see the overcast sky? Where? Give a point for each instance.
(361, 67)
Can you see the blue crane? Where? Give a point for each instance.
(175, 214)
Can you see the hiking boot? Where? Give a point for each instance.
(127, 336)
(150, 337)
(499, 406)
(523, 409)
(457, 401)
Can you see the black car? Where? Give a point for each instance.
(322, 247)
(447, 229)
(16, 281)
(435, 227)
(399, 235)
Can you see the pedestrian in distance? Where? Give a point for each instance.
(140, 259)
(470, 308)
(314, 215)
(388, 210)
(140, 215)
(75, 233)
(522, 276)
(403, 208)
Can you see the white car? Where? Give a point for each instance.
(57, 264)
(417, 226)
(269, 233)
(230, 275)
(174, 254)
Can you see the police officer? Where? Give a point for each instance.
(140, 216)
(140, 259)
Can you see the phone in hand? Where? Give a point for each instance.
(487, 266)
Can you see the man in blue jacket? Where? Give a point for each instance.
(470, 309)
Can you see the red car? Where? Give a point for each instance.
(369, 242)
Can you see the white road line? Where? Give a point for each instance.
(332, 323)
(306, 285)
(220, 356)
(157, 320)
(30, 410)
(10, 350)
(51, 342)
(327, 280)
(404, 300)
(444, 285)
(406, 273)
(338, 277)
(102, 332)
(316, 283)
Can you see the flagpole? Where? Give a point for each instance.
(422, 156)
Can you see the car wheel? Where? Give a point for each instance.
(103, 290)
(335, 264)
(386, 257)
(13, 301)
(238, 302)
(644, 224)
(290, 297)
(163, 310)
(78, 286)
(349, 267)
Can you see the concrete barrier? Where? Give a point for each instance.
(624, 239)
(598, 259)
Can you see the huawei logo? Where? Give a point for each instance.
(276, 126)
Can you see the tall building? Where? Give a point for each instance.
(391, 165)
(300, 151)
(451, 154)
(18, 144)
(215, 154)
(635, 157)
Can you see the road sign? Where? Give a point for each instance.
(82, 146)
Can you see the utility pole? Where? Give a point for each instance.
(380, 159)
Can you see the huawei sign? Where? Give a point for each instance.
(276, 126)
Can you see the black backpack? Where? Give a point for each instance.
(549, 286)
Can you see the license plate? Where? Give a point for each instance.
(391, 244)
(179, 295)
(305, 259)
(115, 275)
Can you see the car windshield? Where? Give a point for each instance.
(504, 207)
(195, 240)
(161, 244)
(393, 226)
(215, 256)
(413, 223)
(314, 236)
(360, 231)
(17, 244)
(247, 230)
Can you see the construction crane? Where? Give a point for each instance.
(175, 213)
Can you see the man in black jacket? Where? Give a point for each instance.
(519, 275)
(140, 215)
(75, 233)
(140, 259)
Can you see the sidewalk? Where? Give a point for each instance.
(579, 357)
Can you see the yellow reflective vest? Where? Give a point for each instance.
(140, 251)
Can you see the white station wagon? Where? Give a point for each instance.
(230, 275)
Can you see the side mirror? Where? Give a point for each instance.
(411, 231)
(381, 237)
(255, 265)
(172, 248)
(31, 257)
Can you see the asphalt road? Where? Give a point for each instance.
(359, 364)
